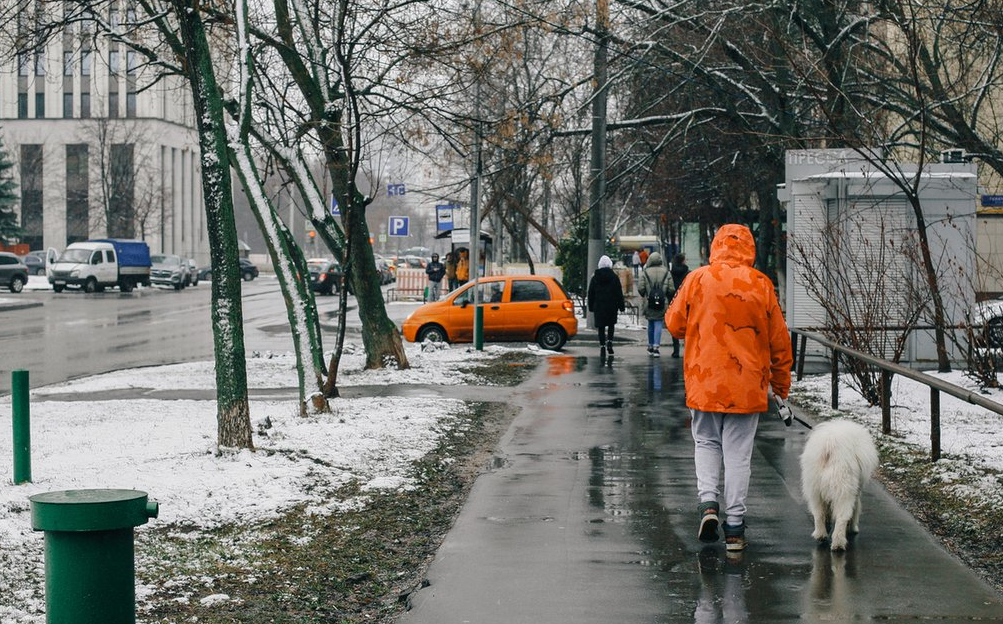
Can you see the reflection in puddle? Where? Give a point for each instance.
(832, 590)
(558, 365)
(722, 589)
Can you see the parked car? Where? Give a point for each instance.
(193, 272)
(385, 269)
(36, 265)
(13, 272)
(325, 276)
(247, 271)
(515, 308)
(169, 270)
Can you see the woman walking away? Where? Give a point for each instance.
(679, 273)
(655, 288)
(605, 299)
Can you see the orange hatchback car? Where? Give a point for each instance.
(515, 307)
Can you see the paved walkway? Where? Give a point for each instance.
(591, 518)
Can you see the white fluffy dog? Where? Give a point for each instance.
(837, 461)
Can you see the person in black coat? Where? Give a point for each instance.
(605, 298)
(435, 271)
(679, 273)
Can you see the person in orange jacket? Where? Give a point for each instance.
(737, 354)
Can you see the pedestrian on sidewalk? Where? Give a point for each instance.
(737, 350)
(635, 263)
(679, 273)
(435, 271)
(655, 288)
(450, 265)
(463, 267)
(605, 298)
(643, 254)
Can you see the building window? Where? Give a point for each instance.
(39, 105)
(67, 106)
(130, 104)
(113, 105)
(23, 64)
(22, 105)
(31, 196)
(67, 63)
(40, 64)
(122, 181)
(130, 62)
(77, 210)
(113, 62)
(85, 63)
(85, 105)
(113, 19)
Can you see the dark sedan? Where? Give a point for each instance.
(325, 276)
(247, 271)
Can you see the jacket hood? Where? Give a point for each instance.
(605, 275)
(655, 259)
(733, 244)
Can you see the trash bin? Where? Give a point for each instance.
(89, 554)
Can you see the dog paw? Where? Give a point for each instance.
(820, 536)
(838, 545)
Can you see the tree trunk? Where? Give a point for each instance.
(232, 409)
(930, 272)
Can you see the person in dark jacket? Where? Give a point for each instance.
(605, 298)
(435, 271)
(679, 273)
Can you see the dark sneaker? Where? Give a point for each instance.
(655, 352)
(609, 346)
(734, 538)
(602, 352)
(650, 348)
(708, 522)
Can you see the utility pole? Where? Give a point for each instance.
(597, 167)
(475, 197)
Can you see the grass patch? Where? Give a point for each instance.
(948, 498)
(508, 369)
(357, 565)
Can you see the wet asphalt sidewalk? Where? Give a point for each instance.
(590, 517)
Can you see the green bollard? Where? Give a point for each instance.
(22, 427)
(89, 554)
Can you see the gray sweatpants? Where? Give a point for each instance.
(727, 437)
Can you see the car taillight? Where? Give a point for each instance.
(568, 305)
(323, 276)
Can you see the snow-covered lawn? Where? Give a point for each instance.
(167, 448)
(971, 436)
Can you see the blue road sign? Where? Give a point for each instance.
(335, 210)
(995, 201)
(394, 190)
(444, 216)
(398, 226)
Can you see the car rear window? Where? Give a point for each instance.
(529, 290)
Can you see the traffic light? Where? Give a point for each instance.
(312, 233)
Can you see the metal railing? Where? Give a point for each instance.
(887, 370)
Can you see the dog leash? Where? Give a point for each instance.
(787, 414)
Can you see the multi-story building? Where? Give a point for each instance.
(102, 147)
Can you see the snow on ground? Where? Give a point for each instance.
(38, 282)
(970, 435)
(167, 448)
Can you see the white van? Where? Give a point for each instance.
(98, 264)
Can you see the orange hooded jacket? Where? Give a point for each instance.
(737, 342)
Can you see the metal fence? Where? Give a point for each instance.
(887, 370)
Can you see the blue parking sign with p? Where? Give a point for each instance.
(398, 226)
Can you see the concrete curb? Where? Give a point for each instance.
(10, 305)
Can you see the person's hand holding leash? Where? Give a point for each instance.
(783, 410)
